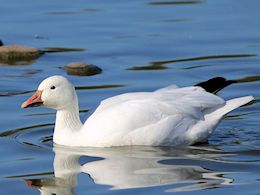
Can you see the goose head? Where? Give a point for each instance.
(55, 92)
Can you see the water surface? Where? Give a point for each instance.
(141, 46)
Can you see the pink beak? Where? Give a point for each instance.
(34, 101)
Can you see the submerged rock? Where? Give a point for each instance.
(1, 43)
(13, 54)
(82, 69)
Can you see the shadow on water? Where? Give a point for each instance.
(68, 13)
(16, 62)
(24, 73)
(17, 59)
(31, 175)
(53, 113)
(7, 92)
(240, 116)
(249, 79)
(185, 2)
(13, 92)
(61, 49)
(131, 167)
(97, 87)
(159, 65)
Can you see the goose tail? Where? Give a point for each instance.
(201, 132)
(232, 105)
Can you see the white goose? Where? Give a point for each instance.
(165, 117)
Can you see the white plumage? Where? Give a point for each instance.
(166, 117)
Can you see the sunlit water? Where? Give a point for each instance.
(140, 45)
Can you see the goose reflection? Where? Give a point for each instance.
(129, 167)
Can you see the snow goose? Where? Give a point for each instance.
(166, 117)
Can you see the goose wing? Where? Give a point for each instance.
(150, 117)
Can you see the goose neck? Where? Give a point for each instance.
(68, 120)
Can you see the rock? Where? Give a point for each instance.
(12, 54)
(1, 43)
(82, 69)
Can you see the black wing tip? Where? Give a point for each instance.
(215, 84)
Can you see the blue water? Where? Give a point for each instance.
(140, 45)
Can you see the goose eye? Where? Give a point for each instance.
(53, 87)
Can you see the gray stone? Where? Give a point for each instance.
(82, 69)
(18, 52)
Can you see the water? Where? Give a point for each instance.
(140, 45)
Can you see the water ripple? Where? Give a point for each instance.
(61, 49)
(98, 87)
(158, 65)
(14, 92)
(185, 2)
(7, 92)
(15, 132)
